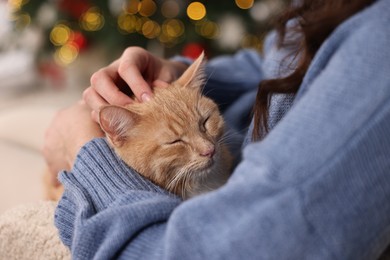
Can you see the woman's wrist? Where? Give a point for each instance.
(74, 147)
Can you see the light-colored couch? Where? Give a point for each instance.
(23, 120)
(26, 220)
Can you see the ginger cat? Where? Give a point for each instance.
(174, 140)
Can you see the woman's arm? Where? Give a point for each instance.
(70, 129)
(231, 76)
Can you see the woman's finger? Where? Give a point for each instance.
(93, 99)
(131, 74)
(103, 83)
(95, 116)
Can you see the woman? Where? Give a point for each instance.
(312, 184)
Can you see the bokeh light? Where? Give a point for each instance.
(21, 20)
(66, 54)
(147, 8)
(207, 29)
(196, 11)
(151, 29)
(92, 20)
(244, 4)
(140, 23)
(173, 28)
(170, 9)
(127, 23)
(132, 6)
(252, 41)
(60, 34)
(16, 5)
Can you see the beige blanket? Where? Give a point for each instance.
(28, 232)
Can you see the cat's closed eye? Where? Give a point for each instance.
(176, 141)
(203, 126)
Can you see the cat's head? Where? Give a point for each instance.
(175, 138)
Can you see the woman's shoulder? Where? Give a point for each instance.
(371, 23)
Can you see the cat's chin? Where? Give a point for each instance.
(207, 167)
(207, 179)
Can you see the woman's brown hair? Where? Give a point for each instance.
(316, 20)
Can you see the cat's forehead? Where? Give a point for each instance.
(177, 99)
(180, 106)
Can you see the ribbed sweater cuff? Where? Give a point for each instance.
(103, 175)
(98, 178)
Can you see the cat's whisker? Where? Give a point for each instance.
(232, 141)
(229, 139)
(230, 132)
(184, 187)
(180, 178)
(188, 178)
(174, 182)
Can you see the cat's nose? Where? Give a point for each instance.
(209, 152)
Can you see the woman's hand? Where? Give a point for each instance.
(136, 70)
(70, 129)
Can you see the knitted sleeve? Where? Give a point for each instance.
(94, 216)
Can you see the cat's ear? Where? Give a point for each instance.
(116, 122)
(194, 74)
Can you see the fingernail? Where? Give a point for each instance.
(145, 97)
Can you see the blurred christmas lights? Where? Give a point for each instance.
(92, 20)
(170, 9)
(151, 29)
(167, 22)
(16, 5)
(147, 8)
(173, 28)
(60, 34)
(207, 29)
(196, 11)
(66, 54)
(244, 4)
(127, 23)
(131, 7)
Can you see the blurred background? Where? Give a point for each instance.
(50, 48)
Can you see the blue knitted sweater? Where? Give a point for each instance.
(316, 187)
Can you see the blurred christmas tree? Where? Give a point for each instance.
(167, 26)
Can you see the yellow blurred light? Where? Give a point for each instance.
(132, 6)
(66, 54)
(167, 40)
(151, 29)
(170, 9)
(196, 11)
(244, 4)
(22, 20)
(173, 28)
(147, 8)
(207, 29)
(92, 20)
(60, 34)
(163, 38)
(252, 41)
(139, 23)
(127, 23)
(16, 4)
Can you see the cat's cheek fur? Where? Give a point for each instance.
(215, 127)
